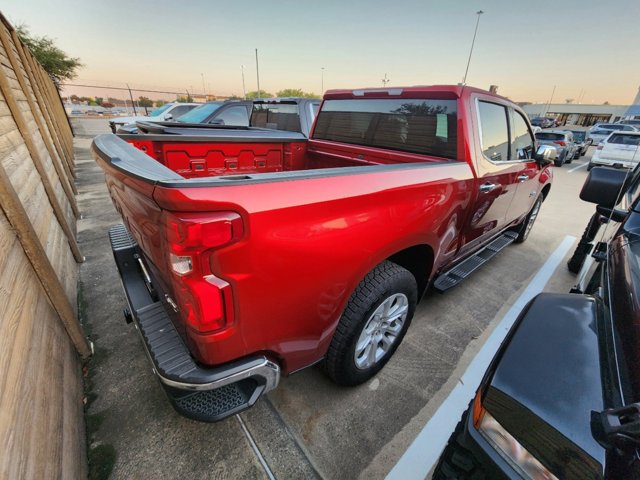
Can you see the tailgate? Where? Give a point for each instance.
(131, 177)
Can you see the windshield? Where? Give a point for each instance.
(610, 127)
(160, 110)
(199, 114)
(549, 136)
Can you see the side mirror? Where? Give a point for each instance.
(604, 186)
(545, 155)
(168, 116)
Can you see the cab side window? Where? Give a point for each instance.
(522, 140)
(495, 131)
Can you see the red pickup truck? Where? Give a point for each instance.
(250, 255)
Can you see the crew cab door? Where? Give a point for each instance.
(497, 174)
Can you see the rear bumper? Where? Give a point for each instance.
(205, 394)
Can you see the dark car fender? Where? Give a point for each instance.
(546, 380)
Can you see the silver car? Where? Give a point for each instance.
(580, 138)
(600, 131)
(562, 141)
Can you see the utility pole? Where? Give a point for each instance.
(132, 102)
(385, 80)
(464, 80)
(244, 90)
(257, 72)
(321, 81)
(204, 90)
(549, 102)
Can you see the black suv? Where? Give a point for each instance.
(561, 397)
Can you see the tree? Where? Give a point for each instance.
(145, 102)
(107, 105)
(183, 99)
(235, 97)
(260, 94)
(295, 92)
(160, 103)
(99, 100)
(55, 61)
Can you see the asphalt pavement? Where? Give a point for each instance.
(308, 427)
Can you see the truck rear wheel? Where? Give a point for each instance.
(372, 325)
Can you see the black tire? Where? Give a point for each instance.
(558, 162)
(457, 462)
(583, 152)
(589, 167)
(527, 224)
(380, 284)
(584, 246)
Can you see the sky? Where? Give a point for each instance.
(587, 49)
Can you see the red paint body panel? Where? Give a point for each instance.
(307, 241)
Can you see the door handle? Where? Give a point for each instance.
(487, 187)
(523, 178)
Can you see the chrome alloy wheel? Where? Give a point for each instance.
(381, 331)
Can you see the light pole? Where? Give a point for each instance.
(204, 90)
(464, 80)
(321, 81)
(244, 90)
(385, 80)
(257, 73)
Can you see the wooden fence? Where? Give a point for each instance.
(41, 342)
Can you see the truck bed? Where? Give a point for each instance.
(237, 154)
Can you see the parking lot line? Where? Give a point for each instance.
(578, 166)
(256, 450)
(424, 451)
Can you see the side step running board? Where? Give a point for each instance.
(451, 278)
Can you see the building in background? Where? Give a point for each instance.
(582, 114)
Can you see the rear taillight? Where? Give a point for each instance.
(204, 300)
(561, 143)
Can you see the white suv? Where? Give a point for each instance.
(600, 131)
(619, 148)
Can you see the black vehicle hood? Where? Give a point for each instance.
(548, 381)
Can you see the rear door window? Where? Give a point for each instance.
(495, 131)
(181, 110)
(622, 139)
(236, 116)
(424, 126)
(278, 116)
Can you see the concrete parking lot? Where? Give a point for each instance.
(308, 427)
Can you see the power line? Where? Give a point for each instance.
(120, 88)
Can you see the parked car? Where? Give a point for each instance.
(562, 141)
(217, 113)
(168, 111)
(618, 149)
(543, 122)
(288, 114)
(561, 398)
(580, 138)
(634, 123)
(243, 256)
(600, 131)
